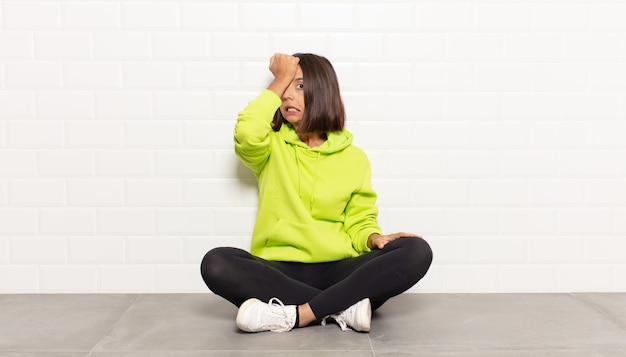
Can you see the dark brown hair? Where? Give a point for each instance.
(323, 108)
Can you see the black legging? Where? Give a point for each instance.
(331, 287)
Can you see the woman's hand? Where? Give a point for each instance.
(283, 67)
(378, 241)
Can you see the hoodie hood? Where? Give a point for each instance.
(335, 141)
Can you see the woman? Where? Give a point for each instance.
(317, 250)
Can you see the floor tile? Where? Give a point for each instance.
(58, 323)
(611, 305)
(492, 321)
(192, 322)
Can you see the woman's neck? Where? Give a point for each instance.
(313, 140)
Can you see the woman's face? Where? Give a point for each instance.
(292, 107)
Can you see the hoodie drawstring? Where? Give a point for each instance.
(317, 164)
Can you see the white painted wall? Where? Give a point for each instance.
(497, 129)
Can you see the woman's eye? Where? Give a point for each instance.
(300, 86)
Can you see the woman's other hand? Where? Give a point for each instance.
(378, 241)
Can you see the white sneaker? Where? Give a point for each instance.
(256, 316)
(357, 316)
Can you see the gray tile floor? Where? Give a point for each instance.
(193, 325)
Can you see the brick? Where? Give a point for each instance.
(150, 15)
(16, 45)
(123, 45)
(498, 250)
(274, 16)
(528, 47)
(125, 163)
(35, 134)
(91, 15)
(204, 134)
(528, 278)
(394, 192)
(473, 278)
(369, 106)
(471, 221)
(17, 104)
(241, 46)
(584, 221)
(422, 221)
(556, 192)
(444, 17)
(590, 47)
(39, 250)
(63, 45)
(96, 250)
(67, 221)
(607, 16)
(153, 134)
(530, 106)
(499, 135)
(126, 279)
(291, 42)
(65, 163)
(189, 221)
(585, 163)
(470, 106)
(95, 192)
(93, 75)
(152, 192)
(477, 47)
(94, 133)
(32, 15)
(234, 221)
(607, 77)
(156, 75)
(475, 163)
(176, 45)
(210, 16)
(124, 221)
(37, 192)
(212, 75)
(385, 17)
(4, 195)
(415, 46)
(65, 105)
(592, 106)
(183, 105)
(560, 76)
(584, 277)
(528, 163)
(15, 163)
(605, 249)
(356, 45)
(448, 77)
(556, 250)
(392, 135)
(34, 75)
(18, 221)
(606, 192)
(571, 17)
(153, 250)
(527, 221)
(442, 192)
(331, 16)
(498, 193)
(19, 279)
(179, 278)
(215, 192)
(502, 17)
(187, 163)
(503, 77)
(69, 279)
(561, 134)
(123, 105)
(450, 250)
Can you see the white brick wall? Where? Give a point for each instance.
(495, 129)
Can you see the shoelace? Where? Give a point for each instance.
(281, 316)
(340, 321)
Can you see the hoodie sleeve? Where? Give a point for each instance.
(253, 129)
(361, 213)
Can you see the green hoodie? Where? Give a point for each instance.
(315, 204)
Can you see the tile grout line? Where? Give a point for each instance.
(105, 334)
(599, 310)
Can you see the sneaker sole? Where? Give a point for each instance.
(365, 325)
(242, 311)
